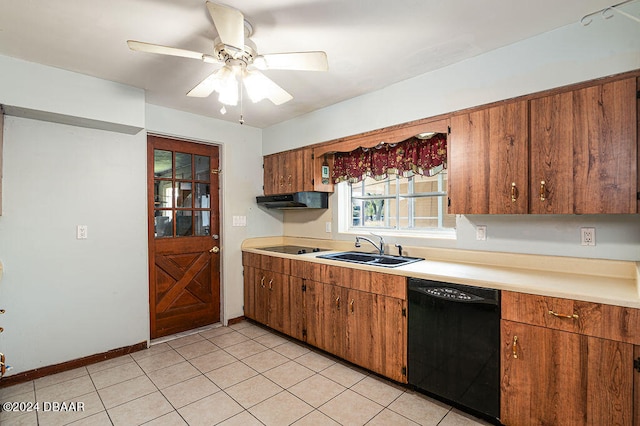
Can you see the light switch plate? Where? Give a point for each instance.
(481, 232)
(327, 227)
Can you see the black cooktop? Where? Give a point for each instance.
(293, 249)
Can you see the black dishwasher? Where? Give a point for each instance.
(453, 344)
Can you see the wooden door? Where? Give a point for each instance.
(509, 159)
(184, 263)
(584, 150)
(554, 377)
(468, 152)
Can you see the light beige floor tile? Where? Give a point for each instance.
(281, 409)
(91, 404)
(253, 331)
(315, 361)
(388, 417)
(121, 373)
(197, 349)
(171, 419)
(240, 325)
(253, 391)
(219, 331)
(150, 351)
(210, 410)
(245, 349)
(184, 341)
(20, 419)
(110, 363)
(20, 389)
(231, 374)
(140, 410)
(265, 360)
(54, 379)
(350, 408)
(458, 418)
(291, 350)
(100, 419)
(15, 413)
(66, 390)
(419, 408)
(126, 391)
(228, 339)
(171, 375)
(317, 390)
(288, 374)
(342, 374)
(243, 419)
(316, 418)
(271, 340)
(212, 361)
(159, 361)
(378, 390)
(190, 391)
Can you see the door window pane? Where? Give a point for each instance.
(202, 222)
(162, 164)
(183, 194)
(163, 197)
(183, 165)
(202, 167)
(163, 225)
(202, 200)
(183, 223)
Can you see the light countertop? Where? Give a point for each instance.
(594, 280)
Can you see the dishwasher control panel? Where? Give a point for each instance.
(450, 293)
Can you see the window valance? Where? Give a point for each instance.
(406, 158)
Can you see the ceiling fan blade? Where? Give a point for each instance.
(259, 87)
(206, 86)
(230, 24)
(303, 61)
(141, 46)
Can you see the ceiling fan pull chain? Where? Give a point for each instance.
(241, 97)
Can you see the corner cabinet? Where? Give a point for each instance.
(567, 362)
(571, 152)
(357, 315)
(295, 171)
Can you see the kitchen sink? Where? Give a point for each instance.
(385, 260)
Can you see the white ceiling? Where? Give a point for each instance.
(370, 43)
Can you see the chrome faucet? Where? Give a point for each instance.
(379, 247)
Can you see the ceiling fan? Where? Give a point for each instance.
(240, 60)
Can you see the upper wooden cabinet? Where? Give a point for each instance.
(571, 152)
(488, 155)
(584, 150)
(294, 171)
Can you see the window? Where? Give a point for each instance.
(417, 203)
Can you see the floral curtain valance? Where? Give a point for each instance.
(406, 158)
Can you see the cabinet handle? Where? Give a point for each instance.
(351, 305)
(281, 180)
(572, 317)
(290, 181)
(514, 347)
(514, 192)
(262, 282)
(543, 191)
(271, 284)
(338, 302)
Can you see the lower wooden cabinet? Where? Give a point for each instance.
(367, 328)
(565, 362)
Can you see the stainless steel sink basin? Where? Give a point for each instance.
(385, 260)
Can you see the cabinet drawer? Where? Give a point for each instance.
(358, 279)
(587, 318)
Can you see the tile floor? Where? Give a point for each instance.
(238, 375)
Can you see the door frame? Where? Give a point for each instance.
(223, 319)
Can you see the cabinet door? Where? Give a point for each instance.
(313, 307)
(295, 308)
(261, 296)
(271, 175)
(584, 150)
(278, 316)
(249, 292)
(560, 378)
(334, 317)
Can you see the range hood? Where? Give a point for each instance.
(297, 200)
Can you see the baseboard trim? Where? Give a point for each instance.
(27, 376)
(235, 320)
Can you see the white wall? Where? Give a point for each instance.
(67, 298)
(241, 181)
(567, 55)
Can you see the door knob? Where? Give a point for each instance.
(214, 249)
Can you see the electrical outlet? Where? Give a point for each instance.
(81, 232)
(327, 227)
(481, 232)
(588, 236)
